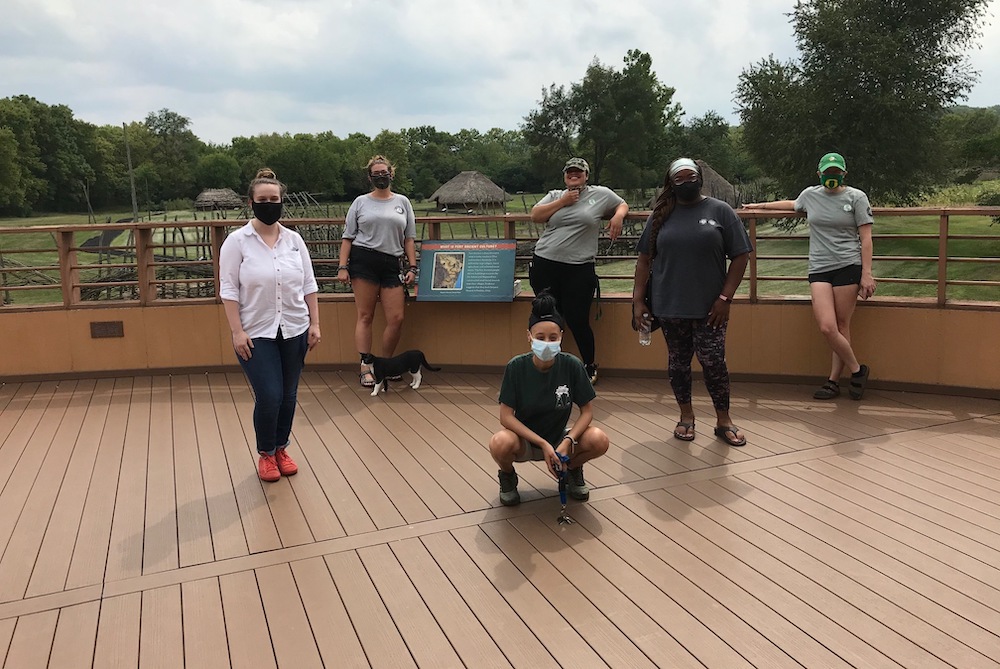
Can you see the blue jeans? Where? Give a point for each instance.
(273, 370)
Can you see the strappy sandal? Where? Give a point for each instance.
(859, 382)
(723, 432)
(367, 379)
(684, 425)
(827, 391)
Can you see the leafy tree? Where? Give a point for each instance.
(12, 196)
(175, 155)
(623, 122)
(872, 81)
(970, 141)
(217, 170)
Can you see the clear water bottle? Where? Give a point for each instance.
(644, 333)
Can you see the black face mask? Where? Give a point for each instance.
(687, 191)
(267, 213)
(381, 181)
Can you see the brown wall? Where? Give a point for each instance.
(918, 346)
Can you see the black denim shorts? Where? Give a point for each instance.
(844, 276)
(374, 266)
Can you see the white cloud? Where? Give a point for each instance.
(241, 67)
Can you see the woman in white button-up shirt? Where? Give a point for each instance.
(268, 290)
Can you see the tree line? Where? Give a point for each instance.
(856, 88)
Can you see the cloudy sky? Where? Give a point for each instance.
(243, 67)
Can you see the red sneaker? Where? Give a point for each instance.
(286, 465)
(267, 468)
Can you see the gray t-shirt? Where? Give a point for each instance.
(691, 250)
(381, 225)
(570, 235)
(834, 219)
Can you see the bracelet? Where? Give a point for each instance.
(340, 267)
(571, 439)
(724, 298)
(413, 268)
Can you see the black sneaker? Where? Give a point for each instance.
(508, 488)
(576, 487)
(592, 372)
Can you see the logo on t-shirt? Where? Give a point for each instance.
(592, 201)
(399, 210)
(562, 397)
(709, 221)
(848, 208)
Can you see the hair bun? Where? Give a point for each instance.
(266, 173)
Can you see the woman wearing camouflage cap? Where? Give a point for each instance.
(840, 264)
(563, 260)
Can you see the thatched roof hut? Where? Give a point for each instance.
(715, 185)
(470, 190)
(218, 198)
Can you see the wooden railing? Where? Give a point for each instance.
(141, 264)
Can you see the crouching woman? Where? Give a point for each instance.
(537, 396)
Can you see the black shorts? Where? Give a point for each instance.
(844, 276)
(374, 266)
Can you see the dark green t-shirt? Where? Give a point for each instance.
(543, 401)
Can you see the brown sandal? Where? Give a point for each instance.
(367, 379)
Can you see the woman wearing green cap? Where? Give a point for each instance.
(840, 264)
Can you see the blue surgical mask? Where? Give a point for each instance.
(545, 350)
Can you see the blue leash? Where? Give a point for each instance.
(563, 518)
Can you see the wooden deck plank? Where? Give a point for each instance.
(250, 646)
(90, 555)
(335, 636)
(819, 611)
(469, 458)
(382, 642)
(18, 560)
(294, 639)
(369, 475)
(194, 532)
(370, 413)
(161, 633)
(931, 625)
(749, 596)
(129, 516)
(963, 520)
(697, 637)
(159, 541)
(913, 532)
(313, 432)
(420, 630)
(959, 489)
(920, 573)
(76, 635)
(117, 645)
(228, 537)
(568, 645)
(205, 641)
(519, 645)
(264, 508)
(953, 456)
(6, 634)
(648, 636)
(10, 417)
(30, 646)
(466, 634)
(26, 453)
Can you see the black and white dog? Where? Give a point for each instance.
(385, 368)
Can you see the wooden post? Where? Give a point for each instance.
(942, 279)
(144, 266)
(69, 276)
(753, 261)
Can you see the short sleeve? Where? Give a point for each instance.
(351, 222)
(230, 258)
(411, 222)
(863, 211)
(643, 244)
(508, 387)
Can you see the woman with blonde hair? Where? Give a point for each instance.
(380, 232)
(269, 291)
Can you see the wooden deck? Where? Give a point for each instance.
(135, 532)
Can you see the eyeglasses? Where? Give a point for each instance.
(677, 181)
(383, 173)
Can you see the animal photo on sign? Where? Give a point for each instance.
(448, 271)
